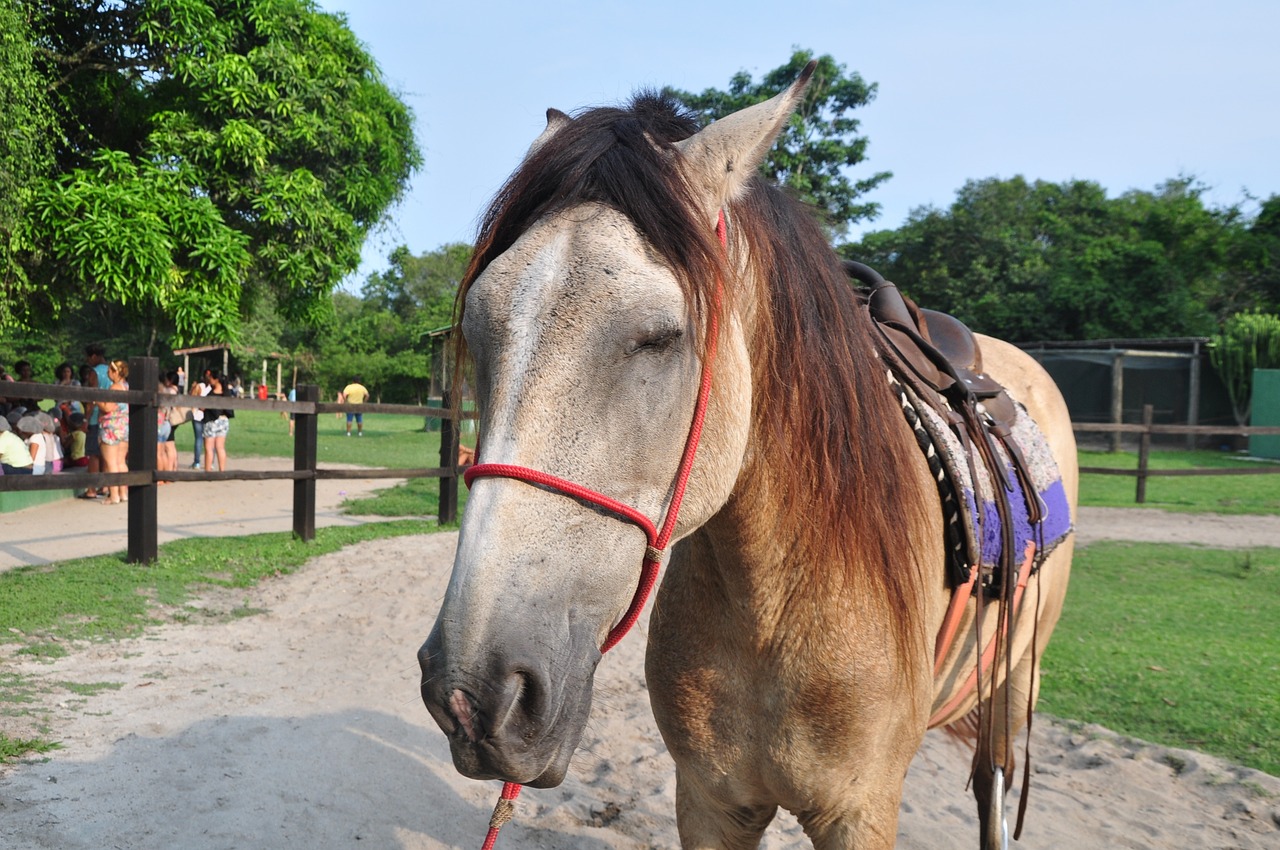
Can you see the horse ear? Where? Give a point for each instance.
(720, 159)
(556, 121)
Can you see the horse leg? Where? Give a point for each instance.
(706, 824)
(865, 823)
(995, 749)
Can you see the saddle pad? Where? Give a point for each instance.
(980, 533)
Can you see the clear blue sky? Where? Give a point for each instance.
(1127, 93)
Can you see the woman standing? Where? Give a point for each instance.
(167, 421)
(113, 431)
(217, 422)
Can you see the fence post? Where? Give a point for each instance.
(144, 375)
(448, 502)
(304, 459)
(1144, 452)
(1117, 398)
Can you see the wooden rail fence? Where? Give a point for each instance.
(1147, 428)
(144, 399)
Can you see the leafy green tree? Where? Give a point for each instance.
(380, 335)
(211, 151)
(1254, 259)
(1248, 341)
(26, 153)
(819, 143)
(1038, 261)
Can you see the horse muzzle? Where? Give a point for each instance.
(507, 718)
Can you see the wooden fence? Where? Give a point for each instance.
(144, 399)
(1147, 428)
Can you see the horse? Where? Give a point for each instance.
(656, 330)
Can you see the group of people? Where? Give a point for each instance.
(94, 435)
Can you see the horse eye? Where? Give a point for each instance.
(656, 342)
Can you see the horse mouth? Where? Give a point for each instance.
(513, 727)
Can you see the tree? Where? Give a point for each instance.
(380, 334)
(1037, 261)
(26, 152)
(211, 151)
(1248, 341)
(819, 143)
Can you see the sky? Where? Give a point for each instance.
(1125, 93)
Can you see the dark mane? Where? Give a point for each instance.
(822, 407)
(620, 158)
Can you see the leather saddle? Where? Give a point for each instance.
(939, 357)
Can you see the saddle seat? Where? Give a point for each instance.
(938, 348)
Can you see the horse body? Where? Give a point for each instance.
(790, 659)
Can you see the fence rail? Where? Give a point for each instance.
(1147, 428)
(145, 400)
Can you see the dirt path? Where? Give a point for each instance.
(1148, 525)
(302, 727)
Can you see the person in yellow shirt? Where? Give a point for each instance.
(354, 393)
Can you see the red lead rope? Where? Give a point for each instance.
(656, 540)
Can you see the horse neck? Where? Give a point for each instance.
(785, 534)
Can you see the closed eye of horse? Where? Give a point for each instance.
(672, 367)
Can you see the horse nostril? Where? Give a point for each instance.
(466, 714)
(530, 696)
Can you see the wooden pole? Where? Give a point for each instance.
(1144, 452)
(304, 458)
(1193, 395)
(448, 511)
(1117, 397)
(144, 375)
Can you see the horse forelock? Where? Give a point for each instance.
(617, 158)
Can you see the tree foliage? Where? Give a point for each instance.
(1046, 261)
(1248, 341)
(819, 143)
(26, 149)
(381, 335)
(210, 152)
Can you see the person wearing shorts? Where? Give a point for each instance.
(354, 393)
(217, 424)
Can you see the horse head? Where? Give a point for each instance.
(587, 311)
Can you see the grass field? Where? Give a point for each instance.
(1227, 494)
(392, 441)
(1173, 644)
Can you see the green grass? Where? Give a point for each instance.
(1175, 645)
(12, 749)
(1225, 494)
(392, 441)
(395, 442)
(104, 597)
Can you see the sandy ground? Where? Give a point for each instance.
(302, 727)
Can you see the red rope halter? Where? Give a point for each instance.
(657, 540)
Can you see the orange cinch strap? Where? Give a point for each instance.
(951, 623)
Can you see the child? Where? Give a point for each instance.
(32, 433)
(15, 456)
(75, 454)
